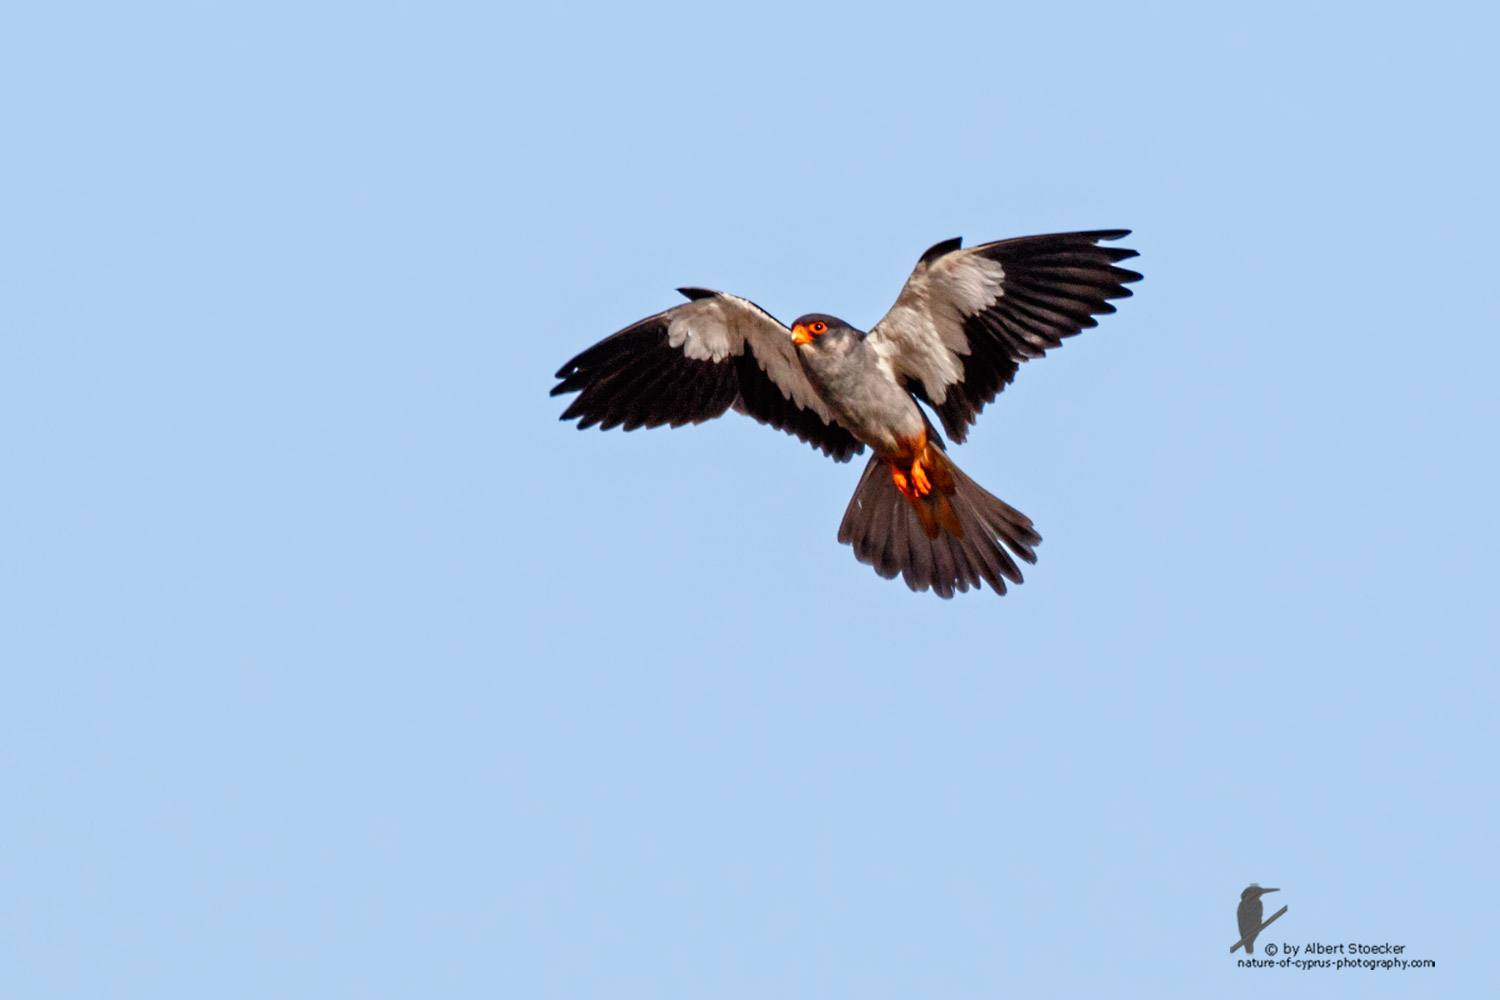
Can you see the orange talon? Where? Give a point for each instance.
(899, 478)
(919, 479)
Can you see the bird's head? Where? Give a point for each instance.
(1255, 892)
(820, 331)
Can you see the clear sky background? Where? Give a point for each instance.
(334, 665)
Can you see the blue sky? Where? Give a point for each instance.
(337, 666)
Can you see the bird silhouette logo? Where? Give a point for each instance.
(1249, 915)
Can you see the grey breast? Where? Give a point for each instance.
(866, 398)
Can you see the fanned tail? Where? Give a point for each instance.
(946, 539)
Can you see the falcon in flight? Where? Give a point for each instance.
(960, 328)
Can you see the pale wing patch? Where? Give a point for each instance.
(718, 328)
(922, 337)
(704, 331)
(965, 285)
(771, 344)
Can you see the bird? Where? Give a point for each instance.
(965, 320)
(1249, 915)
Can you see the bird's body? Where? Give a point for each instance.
(860, 388)
(962, 325)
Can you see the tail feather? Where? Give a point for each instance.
(944, 566)
(949, 540)
(883, 553)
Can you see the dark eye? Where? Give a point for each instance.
(819, 327)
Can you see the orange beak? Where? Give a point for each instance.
(800, 335)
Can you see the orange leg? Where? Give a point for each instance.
(907, 470)
(912, 483)
(919, 478)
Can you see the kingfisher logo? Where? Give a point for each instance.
(1251, 918)
(1249, 915)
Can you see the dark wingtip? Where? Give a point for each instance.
(939, 249)
(694, 294)
(1117, 254)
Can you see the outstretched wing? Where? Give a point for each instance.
(691, 364)
(966, 319)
